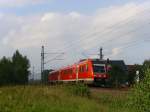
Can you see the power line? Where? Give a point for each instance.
(126, 45)
(44, 54)
(112, 39)
(75, 42)
(131, 44)
(55, 53)
(85, 37)
(122, 35)
(56, 58)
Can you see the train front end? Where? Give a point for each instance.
(101, 75)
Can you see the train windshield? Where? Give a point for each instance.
(97, 68)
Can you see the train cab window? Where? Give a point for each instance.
(97, 68)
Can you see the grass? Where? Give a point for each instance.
(58, 99)
(112, 100)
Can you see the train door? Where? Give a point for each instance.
(77, 73)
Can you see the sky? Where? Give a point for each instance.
(77, 28)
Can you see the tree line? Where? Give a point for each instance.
(14, 70)
(119, 77)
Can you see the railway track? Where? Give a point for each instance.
(109, 90)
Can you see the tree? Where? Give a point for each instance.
(6, 71)
(146, 65)
(117, 76)
(14, 70)
(20, 67)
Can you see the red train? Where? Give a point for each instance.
(86, 71)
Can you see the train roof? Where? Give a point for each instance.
(69, 66)
(119, 63)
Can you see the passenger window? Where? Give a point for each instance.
(77, 70)
(71, 71)
(80, 69)
(86, 67)
(83, 68)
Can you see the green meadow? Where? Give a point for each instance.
(61, 99)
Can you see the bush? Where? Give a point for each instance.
(117, 76)
(80, 90)
(140, 95)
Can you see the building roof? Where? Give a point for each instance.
(119, 63)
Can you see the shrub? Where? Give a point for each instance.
(140, 95)
(80, 89)
(117, 76)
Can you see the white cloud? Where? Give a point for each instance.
(115, 51)
(75, 32)
(75, 15)
(48, 17)
(1, 15)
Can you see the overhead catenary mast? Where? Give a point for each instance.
(101, 53)
(42, 62)
(33, 73)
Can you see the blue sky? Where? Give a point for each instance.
(75, 27)
(82, 6)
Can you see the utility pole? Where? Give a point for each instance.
(101, 53)
(33, 73)
(42, 63)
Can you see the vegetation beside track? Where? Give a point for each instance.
(60, 99)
